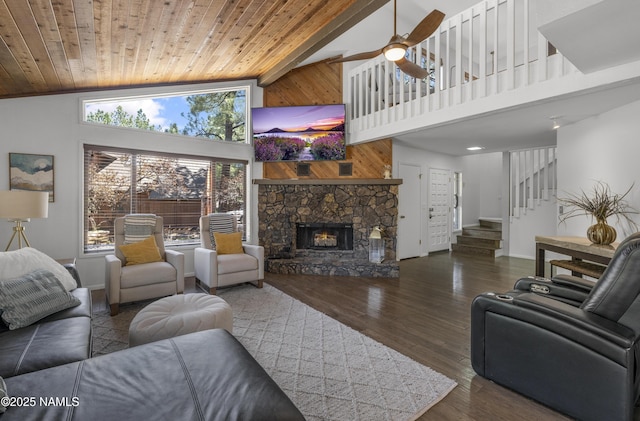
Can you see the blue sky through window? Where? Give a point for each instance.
(160, 110)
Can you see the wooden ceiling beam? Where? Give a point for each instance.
(359, 10)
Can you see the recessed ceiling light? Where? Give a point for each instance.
(556, 121)
(475, 148)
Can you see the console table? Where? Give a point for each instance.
(586, 258)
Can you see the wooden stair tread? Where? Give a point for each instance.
(488, 251)
(480, 246)
(481, 228)
(492, 223)
(478, 241)
(482, 232)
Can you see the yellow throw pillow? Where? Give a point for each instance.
(228, 243)
(145, 251)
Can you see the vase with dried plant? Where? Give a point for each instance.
(600, 205)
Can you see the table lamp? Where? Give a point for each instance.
(20, 206)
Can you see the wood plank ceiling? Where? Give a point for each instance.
(73, 45)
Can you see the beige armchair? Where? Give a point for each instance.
(143, 281)
(215, 270)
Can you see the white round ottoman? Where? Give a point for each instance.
(177, 315)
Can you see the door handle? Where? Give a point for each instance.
(401, 216)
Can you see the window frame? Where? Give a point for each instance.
(457, 201)
(84, 229)
(150, 95)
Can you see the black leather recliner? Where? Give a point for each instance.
(578, 356)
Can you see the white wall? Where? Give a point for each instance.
(482, 187)
(523, 230)
(603, 148)
(51, 125)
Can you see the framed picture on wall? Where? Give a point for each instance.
(31, 172)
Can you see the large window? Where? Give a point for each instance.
(179, 188)
(217, 115)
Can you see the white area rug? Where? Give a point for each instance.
(330, 371)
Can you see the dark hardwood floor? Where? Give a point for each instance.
(425, 314)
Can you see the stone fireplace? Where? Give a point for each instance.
(322, 227)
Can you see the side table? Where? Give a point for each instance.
(578, 248)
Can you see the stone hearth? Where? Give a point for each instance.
(361, 203)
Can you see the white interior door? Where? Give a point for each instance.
(439, 210)
(409, 212)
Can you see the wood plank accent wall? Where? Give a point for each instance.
(317, 83)
(368, 160)
(321, 83)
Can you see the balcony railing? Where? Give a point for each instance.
(485, 51)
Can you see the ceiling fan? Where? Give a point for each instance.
(397, 47)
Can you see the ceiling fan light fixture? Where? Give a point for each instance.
(394, 51)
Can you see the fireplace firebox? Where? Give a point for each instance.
(324, 236)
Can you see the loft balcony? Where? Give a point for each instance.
(487, 59)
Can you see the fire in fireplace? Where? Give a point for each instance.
(329, 236)
(324, 239)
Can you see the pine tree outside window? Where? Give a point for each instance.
(219, 114)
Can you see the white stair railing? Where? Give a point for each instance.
(532, 179)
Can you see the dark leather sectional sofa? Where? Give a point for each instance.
(58, 339)
(206, 375)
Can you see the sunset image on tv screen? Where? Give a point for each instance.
(300, 133)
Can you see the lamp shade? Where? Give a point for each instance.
(23, 204)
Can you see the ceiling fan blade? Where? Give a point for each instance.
(359, 56)
(425, 28)
(412, 69)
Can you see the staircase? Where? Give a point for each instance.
(484, 239)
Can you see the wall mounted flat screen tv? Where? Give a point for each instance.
(299, 133)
